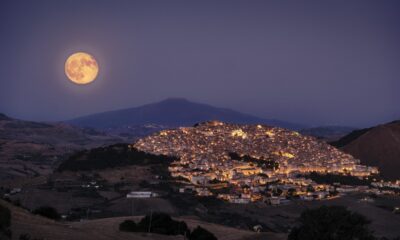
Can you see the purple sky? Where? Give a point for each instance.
(315, 62)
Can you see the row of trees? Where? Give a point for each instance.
(162, 223)
(329, 178)
(117, 155)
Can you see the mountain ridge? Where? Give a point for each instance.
(172, 112)
(4, 117)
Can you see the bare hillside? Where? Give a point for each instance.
(379, 146)
(33, 148)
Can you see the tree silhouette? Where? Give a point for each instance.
(5, 223)
(331, 223)
(48, 212)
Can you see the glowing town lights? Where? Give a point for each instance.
(238, 133)
(213, 150)
(269, 133)
(288, 155)
(163, 133)
(284, 154)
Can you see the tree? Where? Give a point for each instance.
(291, 192)
(200, 233)
(277, 192)
(5, 217)
(214, 181)
(310, 188)
(5, 222)
(331, 223)
(48, 212)
(162, 223)
(157, 222)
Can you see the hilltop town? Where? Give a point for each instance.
(238, 163)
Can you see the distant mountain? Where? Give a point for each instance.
(172, 112)
(3, 117)
(377, 146)
(32, 148)
(327, 133)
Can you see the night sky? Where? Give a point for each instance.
(310, 62)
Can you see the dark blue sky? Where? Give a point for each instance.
(311, 62)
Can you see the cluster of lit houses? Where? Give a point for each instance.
(265, 159)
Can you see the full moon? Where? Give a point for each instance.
(81, 68)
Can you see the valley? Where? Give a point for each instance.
(218, 174)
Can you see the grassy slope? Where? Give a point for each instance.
(107, 229)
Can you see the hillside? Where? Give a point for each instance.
(31, 148)
(377, 146)
(348, 138)
(173, 112)
(23, 222)
(208, 144)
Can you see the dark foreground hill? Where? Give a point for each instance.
(173, 112)
(377, 146)
(24, 223)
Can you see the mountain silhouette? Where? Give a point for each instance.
(172, 112)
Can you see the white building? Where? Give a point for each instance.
(141, 194)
